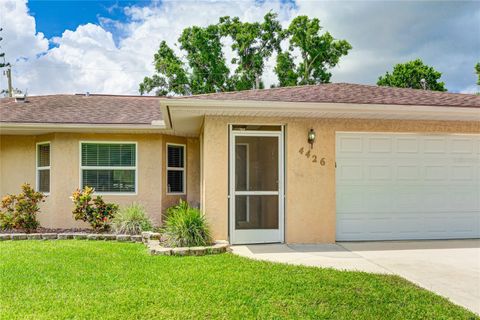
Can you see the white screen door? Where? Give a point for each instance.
(256, 187)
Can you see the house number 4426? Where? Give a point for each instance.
(308, 154)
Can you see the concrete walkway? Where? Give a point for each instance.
(450, 268)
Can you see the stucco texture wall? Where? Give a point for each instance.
(17, 165)
(192, 166)
(310, 187)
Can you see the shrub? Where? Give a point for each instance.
(96, 212)
(20, 211)
(186, 226)
(132, 220)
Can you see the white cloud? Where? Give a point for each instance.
(382, 34)
(473, 89)
(87, 59)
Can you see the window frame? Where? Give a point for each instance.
(184, 169)
(38, 168)
(81, 167)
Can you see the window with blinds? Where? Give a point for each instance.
(109, 167)
(175, 169)
(43, 167)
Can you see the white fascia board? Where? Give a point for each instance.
(245, 105)
(157, 124)
(205, 107)
(23, 127)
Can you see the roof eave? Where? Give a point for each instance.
(282, 105)
(193, 108)
(39, 128)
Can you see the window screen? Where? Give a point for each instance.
(175, 168)
(43, 167)
(109, 167)
(175, 156)
(43, 155)
(108, 155)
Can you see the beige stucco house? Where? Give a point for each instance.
(308, 164)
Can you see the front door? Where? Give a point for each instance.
(256, 186)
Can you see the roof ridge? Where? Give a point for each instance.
(397, 89)
(114, 95)
(251, 90)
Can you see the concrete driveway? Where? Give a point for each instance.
(450, 268)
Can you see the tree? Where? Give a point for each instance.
(171, 75)
(318, 53)
(4, 64)
(253, 43)
(286, 70)
(477, 71)
(413, 74)
(208, 69)
(202, 67)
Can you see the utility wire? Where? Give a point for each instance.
(113, 70)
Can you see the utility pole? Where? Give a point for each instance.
(257, 81)
(8, 72)
(423, 83)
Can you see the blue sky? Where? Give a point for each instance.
(108, 46)
(54, 17)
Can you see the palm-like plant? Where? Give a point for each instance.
(186, 227)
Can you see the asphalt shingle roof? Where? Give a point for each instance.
(82, 109)
(117, 109)
(349, 93)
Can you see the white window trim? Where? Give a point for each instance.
(184, 169)
(38, 169)
(109, 168)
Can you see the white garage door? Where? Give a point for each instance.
(407, 186)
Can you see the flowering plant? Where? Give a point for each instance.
(92, 210)
(19, 211)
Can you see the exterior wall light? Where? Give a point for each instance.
(311, 137)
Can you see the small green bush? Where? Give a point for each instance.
(186, 227)
(131, 220)
(96, 212)
(20, 211)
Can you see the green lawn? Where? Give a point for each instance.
(109, 280)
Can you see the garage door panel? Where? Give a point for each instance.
(350, 145)
(463, 173)
(407, 186)
(462, 223)
(433, 200)
(380, 145)
(350, 199)
(462, 145)
(377, 199)
(463, 199)
(379, 172)
(434, 145)
(407, 145)
(407, 199)
(350, 171)
(408, 226)
(436, 172)
(408, 171)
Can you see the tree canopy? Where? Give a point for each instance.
(253, 43)
(171, 75)
(477, 71)
(413, 74)
(318, 53)
(202, 67)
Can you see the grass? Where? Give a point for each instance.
(109, 280)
